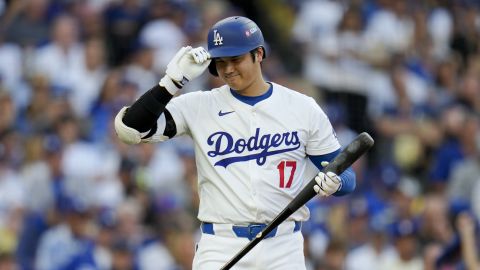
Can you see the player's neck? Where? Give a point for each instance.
(255, 89)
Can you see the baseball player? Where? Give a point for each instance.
(254, 142)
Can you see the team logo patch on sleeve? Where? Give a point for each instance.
(258, 147)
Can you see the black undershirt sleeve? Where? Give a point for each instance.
(170, 127)
(144, 113)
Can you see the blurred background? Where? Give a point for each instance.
(73, 197)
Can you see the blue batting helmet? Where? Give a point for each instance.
(233, 36)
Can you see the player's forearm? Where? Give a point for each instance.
(348, 182)
(144, 113)
(348, 177)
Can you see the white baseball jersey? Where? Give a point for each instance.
(251, 160)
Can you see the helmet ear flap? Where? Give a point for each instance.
(212, 68)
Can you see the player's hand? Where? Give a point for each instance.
(187, 64)
(327, 183)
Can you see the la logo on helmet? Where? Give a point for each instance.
(217, 39)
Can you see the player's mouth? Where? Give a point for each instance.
(230, 76)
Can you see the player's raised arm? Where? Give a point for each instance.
(138, 122)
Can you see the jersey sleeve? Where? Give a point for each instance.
(322, 138)
(182, 110)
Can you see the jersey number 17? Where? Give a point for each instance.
(281, 170)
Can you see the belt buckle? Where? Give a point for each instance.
(254, 229)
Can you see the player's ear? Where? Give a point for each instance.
(259, 54)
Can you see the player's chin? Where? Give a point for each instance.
(234, 82)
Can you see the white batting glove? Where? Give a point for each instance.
(327, 183)
(186, 65)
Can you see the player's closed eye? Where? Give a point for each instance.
(235, 59)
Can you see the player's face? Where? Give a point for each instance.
(239, 72)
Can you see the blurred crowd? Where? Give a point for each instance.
(73, 197)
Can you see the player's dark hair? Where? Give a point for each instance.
(252, 52)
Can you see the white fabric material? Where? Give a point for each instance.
(382, 94)
(440, 28)
(331, 58)
(12, 195)
(10, 65)
(59, 237)
(126, 134)
(389, 32)
(155, 256)
(164, 172)
(396, 263)
(86, 87)
(93, 181)
(56, 249)
(164, 37)
(316, 18)
(281, 253)
(475, 200)
(141, 77)
(241, 184)
(37, 180)
(57, 65)
(367, 258)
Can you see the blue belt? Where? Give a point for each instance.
(247, 231)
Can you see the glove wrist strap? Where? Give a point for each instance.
(171, 86)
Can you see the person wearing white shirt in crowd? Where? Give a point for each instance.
(62, 57)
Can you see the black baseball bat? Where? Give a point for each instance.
(340, 163)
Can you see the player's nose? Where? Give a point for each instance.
(229, 67)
